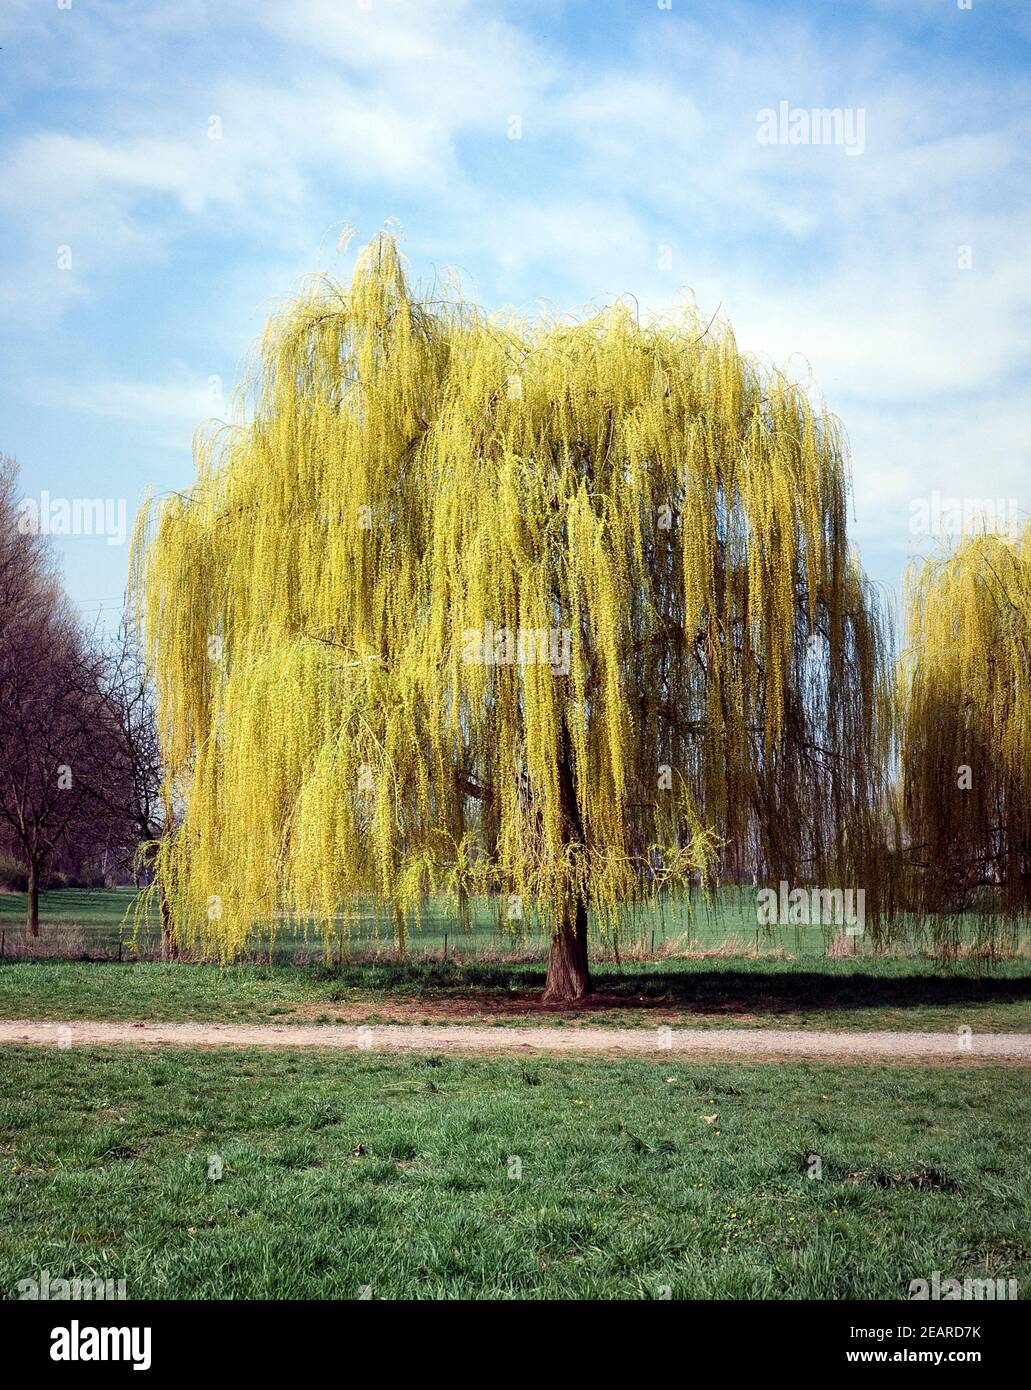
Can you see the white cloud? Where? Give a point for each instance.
(165, 413)
(330, 110)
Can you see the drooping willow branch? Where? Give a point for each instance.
(409, 472)
(965, 698)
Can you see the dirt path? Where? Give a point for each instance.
(655, 1042)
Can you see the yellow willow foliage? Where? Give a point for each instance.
(965, 693)
(471, 604)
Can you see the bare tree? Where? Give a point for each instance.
(63, 785)
(142, 801)
(128, 693)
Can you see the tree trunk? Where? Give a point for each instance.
(465, 920)
(169, 949)
(32, 902)
(569, 978)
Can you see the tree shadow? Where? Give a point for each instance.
(744, 992)
(698, 987)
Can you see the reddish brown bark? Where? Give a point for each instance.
(569, 978)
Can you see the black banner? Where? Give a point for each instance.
(76, 1338)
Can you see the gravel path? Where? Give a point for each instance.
(738, 1042)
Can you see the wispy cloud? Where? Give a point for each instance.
(194, 159)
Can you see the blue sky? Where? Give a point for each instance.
(639, 170)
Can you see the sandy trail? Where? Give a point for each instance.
(655, 1042)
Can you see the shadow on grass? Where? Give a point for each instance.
(734, 988)
(813, 992)
(698, 986)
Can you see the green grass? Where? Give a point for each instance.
(100, 909)
(870, 993)
(97, 919)
(790, 983)
(94, 921)
(393, 1172)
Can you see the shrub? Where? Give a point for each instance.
(14, 877)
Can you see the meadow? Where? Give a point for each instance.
(703, 972)
(99, 922)
(436, 1177)
(392, 1176)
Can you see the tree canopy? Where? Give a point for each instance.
(966, 751)
(560, 610)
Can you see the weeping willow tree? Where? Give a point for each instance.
(563, 612)
(965, 694)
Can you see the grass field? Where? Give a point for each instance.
(77, 922)
(789, 981)
(708, 993)
(394, 1173)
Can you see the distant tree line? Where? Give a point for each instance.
(80, 773)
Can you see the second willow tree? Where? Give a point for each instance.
(556, 611)
(965, 701)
